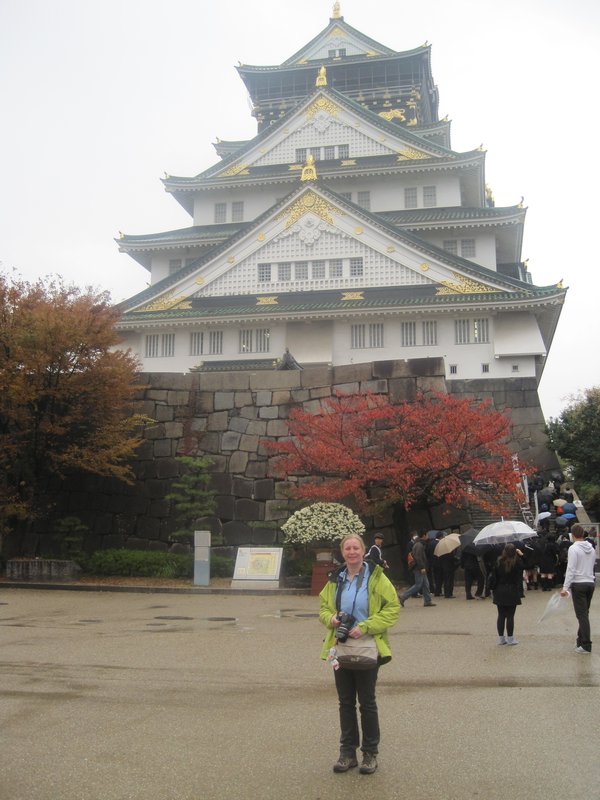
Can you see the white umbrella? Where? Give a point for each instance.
(447, 545)
(542, 515)
(503, 532)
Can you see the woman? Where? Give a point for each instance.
(362, 590)
(507, 588)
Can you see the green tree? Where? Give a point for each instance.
(575, 435)
(191, 496)
(66, 393)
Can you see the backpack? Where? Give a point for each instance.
(410, 561)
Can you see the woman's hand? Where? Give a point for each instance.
(334, 621)
(355, 633)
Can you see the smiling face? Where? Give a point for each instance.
(353, 551)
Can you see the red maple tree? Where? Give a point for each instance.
(438, 448)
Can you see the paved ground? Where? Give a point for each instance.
(111, 696)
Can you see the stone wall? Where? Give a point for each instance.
(228, 416)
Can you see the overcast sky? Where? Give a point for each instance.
(100, 99)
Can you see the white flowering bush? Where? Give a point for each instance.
(321, 522)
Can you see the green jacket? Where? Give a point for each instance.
(384, 609)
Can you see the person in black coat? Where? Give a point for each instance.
(507, 589)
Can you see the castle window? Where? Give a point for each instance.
(376, 334)
(318, 269)
(167, 345)
(357, 337)
(364, 200)
(453, 369)
(346, 195)
(410, 197)
(316, 153)
(462, 331)
(467, 248)
(301, 153)
(408, 334)
(481, 331)
(284, 272)
(336, 268)
(151, 349)
(237, 211)
(264, 273)
(343, 151)
(485, 368)
(429, 196)
(215, 342)
(356, 267)
(301, 270)
(196, 343)
(263, 337)
(220, 212)
(246, 341)
(515, 367)
(450, 246)
(329, 153)
(429, 330)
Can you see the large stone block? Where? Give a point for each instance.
(238, 424)
(264, 490)
(402, 390)
(178, 398)
(300, 395)
(238, 462)
(237, 533)
(263, 398)
(257, 428)
(155, 431)
(243, 487)
(218, 421)
(221, 483)
(246, 509)
(256, 469)
(313, 377)
(379, 386)
(281, 397)
(163, 413)
(268, 412)
(277, 427)
(198, 424)
(431, 384)
(210, 442)
(347, 388)
(224, 400)
(249, 443)
(426, 367)
(242, 399)
(224, 381)
(225, 508)
(275, 509)
(352, 373)
(267, 379)
(161, 395)
(230, 440)
(322, 391)
(163, 448)
(249, 412)
(167, 468)
(264, 536)
(173, 430)
(202, 403)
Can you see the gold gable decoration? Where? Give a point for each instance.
(267, 301)
(463, 285)
(352, 296)
(162, 303)
(395, 113)
(309, 203)
(322, 104)
(321, 77)
(309, 171)
(236, 169)
(336, 14)
(410, 154)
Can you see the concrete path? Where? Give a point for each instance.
(176, 697)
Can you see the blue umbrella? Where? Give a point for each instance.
(432, 534)
(569, 516)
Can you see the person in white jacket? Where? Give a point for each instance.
(580, 580)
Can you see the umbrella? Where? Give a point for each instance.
(503, 532)
(555, 605)
(542, 515)
(569, 516)
(559, 502)
(447, 545)
(432, 534)
(467, 537)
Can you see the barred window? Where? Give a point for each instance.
(450, 246)
(376, 334)
(151, 349)
(245, 341)
(264, 273)
(357, 337)
(220, 212)
(356, 267)
(343, 151)
(467, 248)
(410, 197)
(168, 345)
(329, 153)
(363, 199)
(262, 340)
(336, 268)
(196, 343)
(237, 211)
(462, 331)
(316, 153)
(481, 331)
(408, 334)
(215, 342)
(485, 368)
(346, 195)
(453, 369)
(301, 270)
(429, 332)
(284, 272)
(318, 269)
(301, 153)
(429, 196)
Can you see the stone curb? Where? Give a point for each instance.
(70, 587)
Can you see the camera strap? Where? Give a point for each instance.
(341, 580)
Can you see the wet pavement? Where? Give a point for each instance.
(114, 696)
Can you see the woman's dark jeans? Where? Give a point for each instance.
(350, 684)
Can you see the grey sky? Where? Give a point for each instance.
(100, 99)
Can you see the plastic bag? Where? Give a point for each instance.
(556, 605)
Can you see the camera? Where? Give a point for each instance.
(347, 622)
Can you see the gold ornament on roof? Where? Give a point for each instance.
(410, 154)
(161, 303)
(309, 172)
(336, 32)
(267, 301)
(322, 104)
(321, 77)
(336, 13)
(309, 203)
(236, 169)
(463, 285)
(352, 296)
(395, 113)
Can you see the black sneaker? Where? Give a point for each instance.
(369, 764)
(344, 763)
